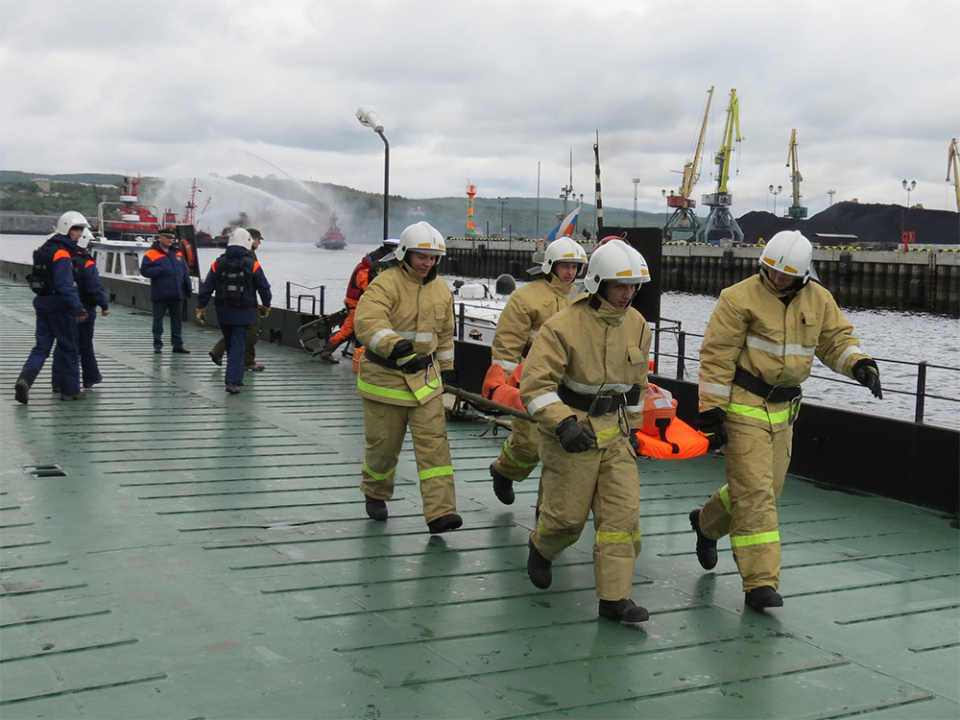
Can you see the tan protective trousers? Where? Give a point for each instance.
(521, 452)
(385, 427)
(605, 481)
(746, 507)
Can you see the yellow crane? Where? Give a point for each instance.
(720, 224)
(953, 163)
(797, 211)
(683, 218)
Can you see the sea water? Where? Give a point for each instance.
(891, 336)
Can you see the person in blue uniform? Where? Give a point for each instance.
(234, 281)
(59, 310)
(169, 287)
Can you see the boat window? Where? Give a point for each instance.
(108, 267)
(131, 264)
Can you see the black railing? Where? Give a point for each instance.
(314, 299)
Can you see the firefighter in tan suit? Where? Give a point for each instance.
(526, 311)
(758, 347)
(405, 321)
(584, 382)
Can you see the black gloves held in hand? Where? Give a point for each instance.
(710, 424)
(402, 349)
(448, 377)
(574, 436)
(867, 374)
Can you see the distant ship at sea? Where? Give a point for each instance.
(333, 238)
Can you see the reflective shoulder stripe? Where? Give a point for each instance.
(256, 265)
(842, 360)
(387, 392)
(714, 388)
(441, 471)
(508, 367)
(154, 254)
(542, 401)
(380, 335)
(758, 539)
(779, 350)
(610, 538)
(756, 413)
(446, 355)
(89, 263)
(213, 266)
(61, 254)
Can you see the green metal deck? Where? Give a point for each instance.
(198, 555)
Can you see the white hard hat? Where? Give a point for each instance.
(85, 237)
(392, 242)
(616, 262)
(242, 238)
(71, 219)
(563, 249)
(421, 237)
(788, 252)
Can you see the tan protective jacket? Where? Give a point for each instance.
(402, 305)
(527, 310)
(753, 328)
(590, 348)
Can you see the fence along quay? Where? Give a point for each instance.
(171, 551)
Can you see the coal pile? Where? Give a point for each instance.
(872, 225)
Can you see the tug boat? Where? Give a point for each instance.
(128, 219)
(333, 238)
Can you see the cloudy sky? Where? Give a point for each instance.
(489, 90)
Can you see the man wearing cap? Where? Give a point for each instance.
(364, 273)
(169, 287)
(253, 332)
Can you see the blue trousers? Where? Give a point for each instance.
(235, 340)
(90, 371)
(62, 328)
(160, 308)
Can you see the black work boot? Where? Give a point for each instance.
(502, 487)
(763, 597)
(327, 353)
(444, 523)
(706, 548)
(217, 359)
(376, 509)
(22, 391)
(539, 569)
(623, 611)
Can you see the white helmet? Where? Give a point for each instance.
(242, 238)
(391, 242)
(71, 219)
(788, 252)
(617, 262)
(85, 237)
(563, 249)
(421, 237)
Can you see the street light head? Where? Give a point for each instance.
(904, 184)
(367, 115)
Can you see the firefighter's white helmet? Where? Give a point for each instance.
(788, 252)
(563, 249)
(71, 219)
(421, 237)
(616, 262)
(241, 238)
(85, 237)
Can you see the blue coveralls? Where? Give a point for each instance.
(92, 296)
(169, 285)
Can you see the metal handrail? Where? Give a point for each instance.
(301, 298)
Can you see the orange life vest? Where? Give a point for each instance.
(664, 435)
(503, 390)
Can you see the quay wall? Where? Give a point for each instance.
(927, 280)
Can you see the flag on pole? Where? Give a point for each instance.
(565, 228)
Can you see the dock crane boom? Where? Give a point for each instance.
(683, 218)
(797, 211)
(953, 163)
(720, 222)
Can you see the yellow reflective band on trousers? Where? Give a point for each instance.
(520, 463)
(395, 394)
(608, 434)
(758, 539)
(776, 418)
(618, 537)
(376, 475)
(436, 472)
(725, 497)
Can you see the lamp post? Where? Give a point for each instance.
(367, 115)
(831, 193)
(775, 192)
(636, 185)
(909, 186)
(502, 201)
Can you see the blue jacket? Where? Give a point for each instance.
(66, 297)
(235, 315)
(168, 273)
(91, 291)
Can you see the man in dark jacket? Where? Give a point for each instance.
(58, 309)
(169, 287)
(235, 279)
(253, 332)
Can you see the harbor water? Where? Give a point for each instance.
(893, 337)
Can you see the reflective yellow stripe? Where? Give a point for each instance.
(510, 455)
(436, 472)
(608, 434)
(395, 394)
(759, 413)
(618, 537)
(758, 539)
(725, 497)
(376, 475)
(547, 531)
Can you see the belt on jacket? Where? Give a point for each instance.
(591, 404)
(772, 393)
(389, 364)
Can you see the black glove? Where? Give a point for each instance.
(401, 350)
(81, 313)
(710, 424)
(634, 442)
(449, 377)
(416, 364)
(867, 374)
(574, 436)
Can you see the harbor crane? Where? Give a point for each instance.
(684, 220)
(953, 163)
(720, 224)
(796, 211)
